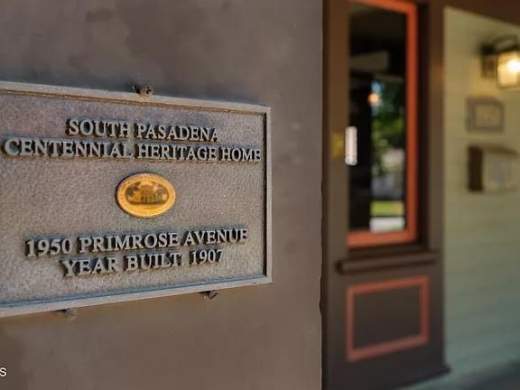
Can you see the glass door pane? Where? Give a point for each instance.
(382, 94)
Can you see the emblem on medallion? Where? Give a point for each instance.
(145, 195)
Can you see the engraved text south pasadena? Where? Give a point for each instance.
(156, 250)
(149, 142)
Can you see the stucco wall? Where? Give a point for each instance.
(267, 52)
(482, 242)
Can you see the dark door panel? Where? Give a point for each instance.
(381, 294)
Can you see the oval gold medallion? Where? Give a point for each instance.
(145, 195)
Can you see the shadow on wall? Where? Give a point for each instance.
(504, 377)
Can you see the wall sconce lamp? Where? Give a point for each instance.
(501, 60)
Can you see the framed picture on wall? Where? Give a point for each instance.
(485, 114)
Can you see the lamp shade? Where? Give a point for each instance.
(508, 69)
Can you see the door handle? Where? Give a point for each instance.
(351, 140)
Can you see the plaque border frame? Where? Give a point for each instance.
(33, 306)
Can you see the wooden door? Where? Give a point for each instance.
(382, 284)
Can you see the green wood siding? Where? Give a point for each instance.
(482, 231)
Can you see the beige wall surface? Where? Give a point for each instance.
(482, 230)
(255, 338)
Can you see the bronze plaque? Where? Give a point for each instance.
(109, 197)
